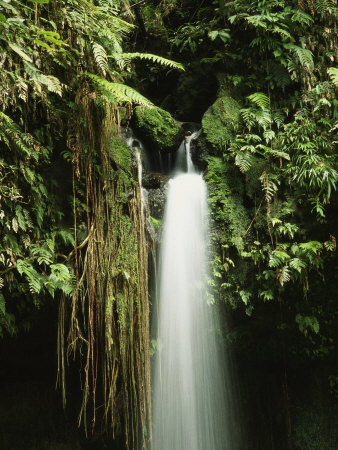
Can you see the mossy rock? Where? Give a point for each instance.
(157, 128)
(221, 120)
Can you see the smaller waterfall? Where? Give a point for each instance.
(143, 192)
(183, 158)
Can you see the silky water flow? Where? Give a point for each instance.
(189, 395)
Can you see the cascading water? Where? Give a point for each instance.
(142, 190)
(189, 401)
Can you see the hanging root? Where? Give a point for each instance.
(108, 315)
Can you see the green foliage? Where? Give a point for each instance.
(333, 72)
(306, 323)
(225, 199)
(118, 93)
(122, 58)
(221, 120)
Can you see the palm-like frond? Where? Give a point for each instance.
(148, 56)
(119, 93)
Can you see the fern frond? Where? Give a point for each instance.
(277, 258)
(33, 277)
(87, 8)
(119, 93)
(301, 17)
(259, 99)
(304, 55)
(11, 134)
(297, 264)
(263, 117)
(243, 161)
(283, 275)
(323, 7)
(101, 58)
(148, 56)
(248, 116)
(276, 153)
(278, 117)
(333, 72)
(52, 83)
(270, 187)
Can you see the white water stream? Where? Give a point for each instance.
(189, 405)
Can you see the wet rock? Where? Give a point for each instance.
(156, 201)
(154, 180)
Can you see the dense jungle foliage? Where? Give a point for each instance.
(260, 78)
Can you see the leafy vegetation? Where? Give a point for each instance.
(71, 232)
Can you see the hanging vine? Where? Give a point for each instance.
(107, 319)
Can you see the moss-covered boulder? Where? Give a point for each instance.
(156, 128)
(221, 120)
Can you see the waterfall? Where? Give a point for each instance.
(189, 398)
(183, 158)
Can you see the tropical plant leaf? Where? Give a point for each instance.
(260, 99)
(333, 72)
(147, 56)
(119, 93)
(101, 58)
(304, 55)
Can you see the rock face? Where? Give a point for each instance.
(156, 201)
(154, 180)
(221, 120)
(157, 128)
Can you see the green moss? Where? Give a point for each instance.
(226, 200)
(157, 128)
(120, 154)
(156, 222)
(221, 120)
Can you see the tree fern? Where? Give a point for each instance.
(119, 93)
(148, 56)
